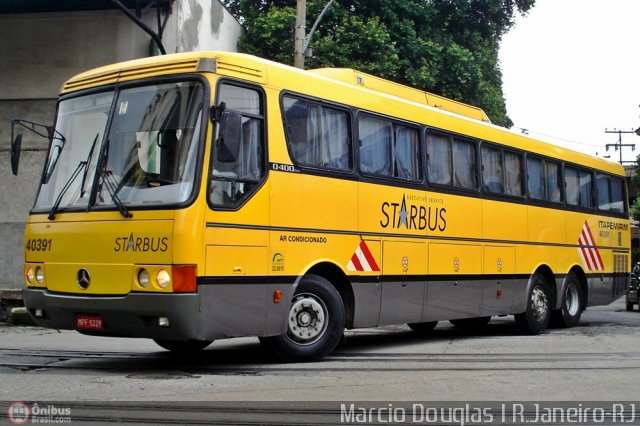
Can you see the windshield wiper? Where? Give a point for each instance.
(76, 172)
(81, 165)
(86, 168)
(112, 188)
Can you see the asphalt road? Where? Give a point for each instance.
(106, 379)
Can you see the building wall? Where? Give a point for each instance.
(40, 51)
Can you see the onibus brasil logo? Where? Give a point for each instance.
(20, 413)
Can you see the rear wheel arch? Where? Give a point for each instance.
(551, 283)
(584, 288)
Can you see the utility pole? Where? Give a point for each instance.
(302, 39)
(618, 146)
(300, 33)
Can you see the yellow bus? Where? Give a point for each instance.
(201, 196)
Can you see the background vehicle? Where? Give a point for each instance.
(634, 286)
(200, 196)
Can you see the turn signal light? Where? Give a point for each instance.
(184, 278)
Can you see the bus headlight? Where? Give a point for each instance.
(163, 278)
(30, 275)
(39, 275)
(143, 278)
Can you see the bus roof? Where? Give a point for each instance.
(378, 84)
(426, 108)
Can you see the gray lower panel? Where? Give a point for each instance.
(236, 310)
(603, 290)
(453, 300)
(402, 302)
(132, 315)
(503, 297)
(216, 311)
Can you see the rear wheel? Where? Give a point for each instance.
(471, 323)
(423, 327)
(630, 306)
(183, 347)
(315, 322)
(536, 318)
(572, 304)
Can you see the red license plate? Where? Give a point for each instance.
(89, 322)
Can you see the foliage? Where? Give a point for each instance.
(448, 47)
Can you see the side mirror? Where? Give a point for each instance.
(16, 145)
(229, 137)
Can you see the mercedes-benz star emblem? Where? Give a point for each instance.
(83, 279)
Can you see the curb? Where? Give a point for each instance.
(10, 299)
(20, 316)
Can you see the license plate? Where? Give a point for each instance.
(89, 322)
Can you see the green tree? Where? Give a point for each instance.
(448, 47)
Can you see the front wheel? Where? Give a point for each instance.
(536, 318)
(315, 322)
(572, 305)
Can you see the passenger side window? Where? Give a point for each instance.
(610, 194)
(389, 149)
(465, 167)
(238, 163)
(544, 180)
(318, 135)
(578, 187)
(451, 161)
(535, 178)
(439, 163)
(513, 174)
(553, 181)
(492, 180)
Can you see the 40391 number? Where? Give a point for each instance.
(39, 244)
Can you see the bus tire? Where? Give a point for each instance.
(423, 327)
(572, 304)
(315, 322)
(535, 319)
(471, 323)
(183, 347)
(630, 306)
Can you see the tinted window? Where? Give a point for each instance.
(513, 174)
(610, 194)
(535, 178)
(492, 179)
(439, 164)
(389, 149)
(578, 187)
(464, 164)
(553, 181)
(586, 189)
(572, 186)
(318, 135)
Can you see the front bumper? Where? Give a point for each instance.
(131, 315)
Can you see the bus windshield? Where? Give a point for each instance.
(148, 152)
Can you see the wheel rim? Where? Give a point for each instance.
(572, 300)
(539, 303)
(308, 319)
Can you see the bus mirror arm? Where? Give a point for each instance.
(217, 112)
(42, 130)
